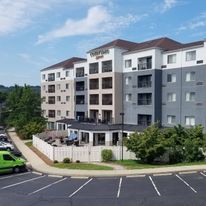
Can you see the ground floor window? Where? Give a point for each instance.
(98, 139)
(84, 137)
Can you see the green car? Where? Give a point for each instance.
(10, 163)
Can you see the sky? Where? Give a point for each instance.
(35, 34)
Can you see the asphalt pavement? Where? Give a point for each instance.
(34, 189)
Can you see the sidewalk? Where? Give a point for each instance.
(40, 166)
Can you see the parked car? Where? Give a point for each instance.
(6, 145)
(4, 138)
(10, 163)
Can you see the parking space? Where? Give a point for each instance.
(8, 180)
(62, 189)
(141, 189)
(99, 187)
(136, 187)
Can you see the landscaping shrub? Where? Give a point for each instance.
(66, 160)
(77, 161)
(55, 162)
(106, 155)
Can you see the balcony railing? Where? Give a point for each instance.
(144, 84)
(93, 70)
(80, 74)
(144, 122)
(106, 69)
(94, 86)
(144, 66)
(144, 101)
(79, 88)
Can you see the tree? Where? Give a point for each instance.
(147, 145)
(194, 144)
(24, 109)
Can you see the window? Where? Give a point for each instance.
(145, 63)
(80, 72)
(190, 96)
(190, 76)
(51, 88)
(43, 76)
(171, 119)
(58, 98)
(94, 84)
(67, 86)
(171, 59)
(171, 78)
(171, 97)
(67, 98)
(128, 80)
(128, 63)
(107, 66)
(128, 97)
(144, 99)
(8, 157)
(94, 99)
(190, 121)
(67, 113)
(144, 81)
(106, 99)
(144, 119)
(51, 100)
(51, 113)
(107, 83)
(58, 112)
(93, 68)
(58, 74)
(51, 77)
(58, 86)
(67, 73)
(191, 56)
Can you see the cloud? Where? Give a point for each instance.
(15, 15)
(98, 20)
(194, 24)
(166, 5)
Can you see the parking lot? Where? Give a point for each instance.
(166, 189)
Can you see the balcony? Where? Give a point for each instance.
(144, 120)
(51, 89)
(145, 84)
(144, 99)
(80, 86)
(145, 63)
(107, 66)
(107, 83)
(93, 68)
(80, 72)
(94, 84)
(94, 99)
(80, 99)
(107, 99)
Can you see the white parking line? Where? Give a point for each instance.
(186, 183)
(154, 185)
(81, 187)
(19, 183)
(119, 188)
(10, 176)
(47, 186)
(203, 174)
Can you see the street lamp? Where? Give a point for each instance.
(122, 127)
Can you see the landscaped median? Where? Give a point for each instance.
(70, 165)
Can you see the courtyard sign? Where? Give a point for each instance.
(99, 54)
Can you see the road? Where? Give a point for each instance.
(33, 189)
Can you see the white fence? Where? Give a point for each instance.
(83, 154)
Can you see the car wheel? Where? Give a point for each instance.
(16, 169)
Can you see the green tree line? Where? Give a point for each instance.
(23, 111)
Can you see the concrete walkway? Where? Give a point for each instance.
(40, 166)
